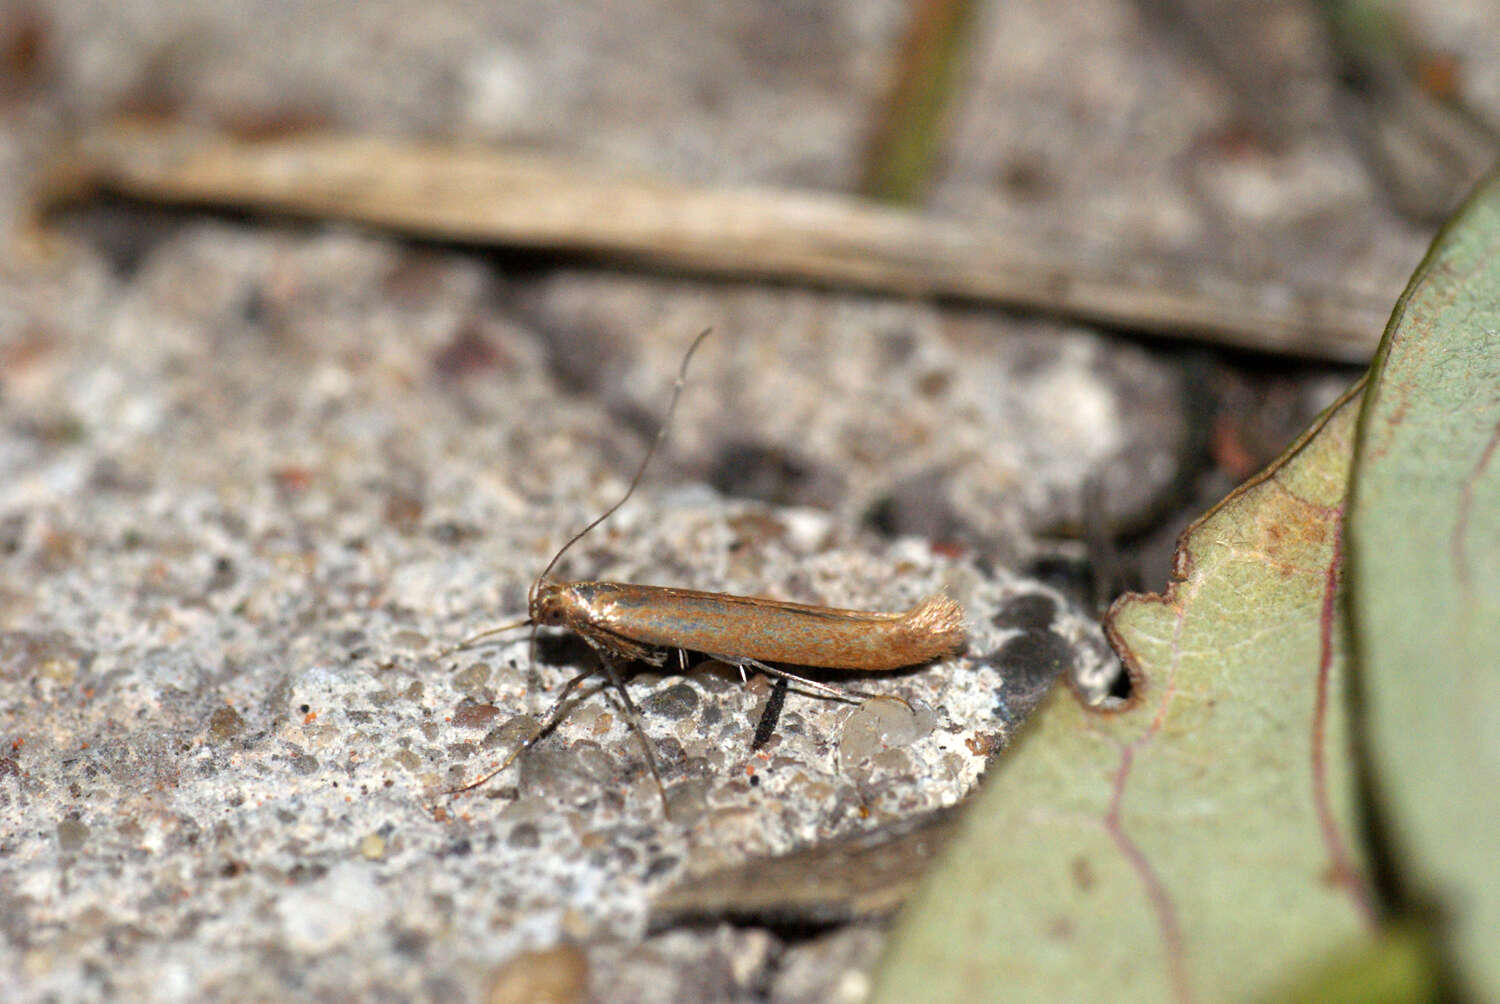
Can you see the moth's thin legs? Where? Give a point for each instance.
(549, 721)
(554, 713)
(826, 689)
(633, 716)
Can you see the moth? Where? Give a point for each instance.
(625, 623)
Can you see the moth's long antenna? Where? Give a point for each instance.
(661, 434)
(487, 632)
(554, 714)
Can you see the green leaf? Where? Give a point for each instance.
(1200, 843)
(1394, 966)
(1425, 594)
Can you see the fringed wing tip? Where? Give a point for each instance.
(943, 620)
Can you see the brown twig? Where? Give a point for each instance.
(490, 196)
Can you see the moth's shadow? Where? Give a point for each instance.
(564, 649)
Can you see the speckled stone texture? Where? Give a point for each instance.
(254, 476)
(243, 513)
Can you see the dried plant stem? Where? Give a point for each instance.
(491, 196)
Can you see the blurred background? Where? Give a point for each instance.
(1289, 158)
(292, 378)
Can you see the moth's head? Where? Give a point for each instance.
(555, 603)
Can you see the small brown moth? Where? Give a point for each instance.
(624, 623)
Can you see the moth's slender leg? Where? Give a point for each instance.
(549, 721)
(633, 716)
(554, 714)
(826, 689)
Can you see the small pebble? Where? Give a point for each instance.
(71, 834)
(225, 723)
(879, 724)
